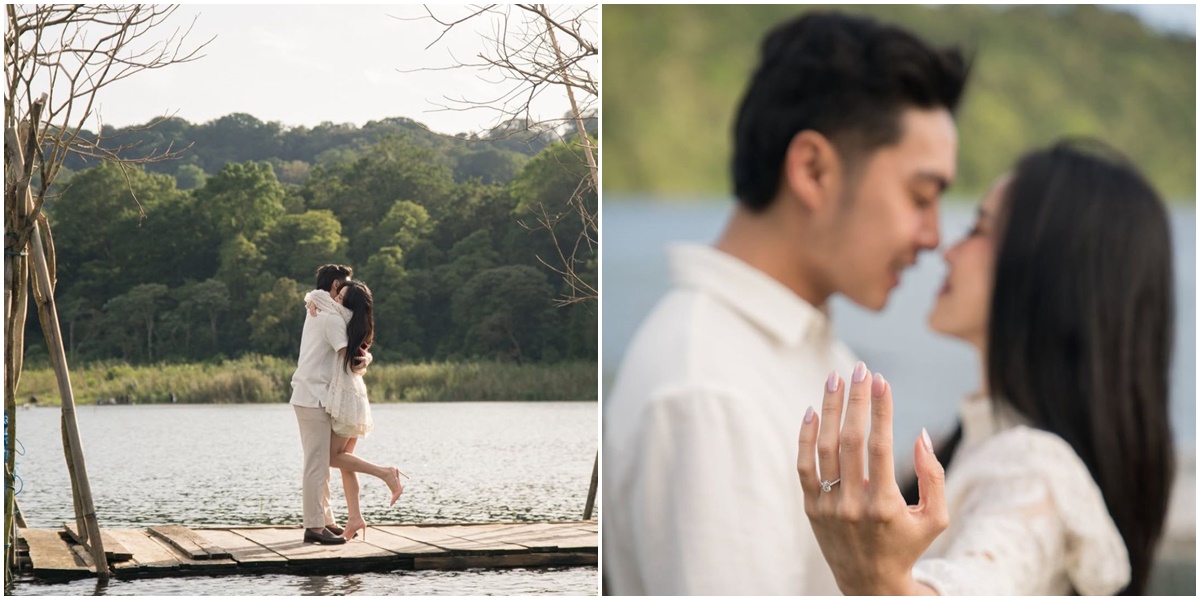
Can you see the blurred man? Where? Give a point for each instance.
(844, 143)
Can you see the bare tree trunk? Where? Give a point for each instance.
(588, 149)
(16, 303)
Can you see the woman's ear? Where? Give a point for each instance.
(812, 171)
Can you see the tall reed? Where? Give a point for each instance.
(268, 379)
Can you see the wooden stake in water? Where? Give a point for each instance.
(591, 499)
(43, 293)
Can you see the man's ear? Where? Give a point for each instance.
(812, 170)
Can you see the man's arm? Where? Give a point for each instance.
(711, 501)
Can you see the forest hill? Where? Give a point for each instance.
(443, 230)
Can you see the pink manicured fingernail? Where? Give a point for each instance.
(808, 415)
(925, 440)
(831, 382)
(877, 384)
(860, 372)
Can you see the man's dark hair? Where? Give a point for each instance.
(327, 274)
(846, 77)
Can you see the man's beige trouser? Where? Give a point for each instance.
(314, 437)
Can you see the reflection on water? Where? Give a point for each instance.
(241, 465)
(574, 581)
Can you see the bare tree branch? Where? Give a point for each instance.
(531, 50)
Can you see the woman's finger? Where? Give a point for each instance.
(931, 482)
(881, 467)
(806, 458)
(854, 430)
(831, 421)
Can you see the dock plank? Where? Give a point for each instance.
(185, 540)
(400, 545)
(52, 556)
(545, 536)
(246, 552)
(149, 554)
(447, 537)
(290, 544)
(112, 548)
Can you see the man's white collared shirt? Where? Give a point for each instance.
(700, 437)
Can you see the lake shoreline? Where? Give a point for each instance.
(267, 380)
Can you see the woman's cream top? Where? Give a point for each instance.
(1026, 517)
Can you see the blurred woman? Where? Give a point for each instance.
(1058, 478)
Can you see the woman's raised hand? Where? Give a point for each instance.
(870, 537)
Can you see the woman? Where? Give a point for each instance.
(347, 403)
(1058, 479)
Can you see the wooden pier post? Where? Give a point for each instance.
(43, 293)
(591, 499)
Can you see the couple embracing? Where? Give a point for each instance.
(330, 400)
(1057, 478)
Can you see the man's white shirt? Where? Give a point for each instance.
(324, 334)
(700, 437)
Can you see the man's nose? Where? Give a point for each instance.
(929, 234)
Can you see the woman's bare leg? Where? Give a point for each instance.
(354, 519)
(347, 462)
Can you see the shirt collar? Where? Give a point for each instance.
(757, 296)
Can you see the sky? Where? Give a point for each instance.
(307, 64)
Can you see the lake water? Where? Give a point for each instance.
(241, 465)
(929, 373)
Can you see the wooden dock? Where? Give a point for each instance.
(177, 551)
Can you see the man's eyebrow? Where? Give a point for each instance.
(937, 179)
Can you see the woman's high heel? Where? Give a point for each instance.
(396, 473)
(353, 526)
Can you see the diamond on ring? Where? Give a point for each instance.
(827, 486)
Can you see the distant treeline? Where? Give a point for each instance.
(673, 77)
(206, 148)
(443, 230)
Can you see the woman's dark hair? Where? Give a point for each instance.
(327, 274)
(846, 77)
(1081, 327)
(360, 331)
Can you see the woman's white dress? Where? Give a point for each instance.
(346, 401)
(1026, 517)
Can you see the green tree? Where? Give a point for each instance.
(398, 329)
(405, 224)
(190, 177)
(243, 198)
(296, 244)
(211, 298)
(275, 324)
(505, 313)
(139, 307)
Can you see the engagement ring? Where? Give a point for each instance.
(827, 486)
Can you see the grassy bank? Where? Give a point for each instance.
(268, 379)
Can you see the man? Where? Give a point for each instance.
(324, 335)
(844, 142)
